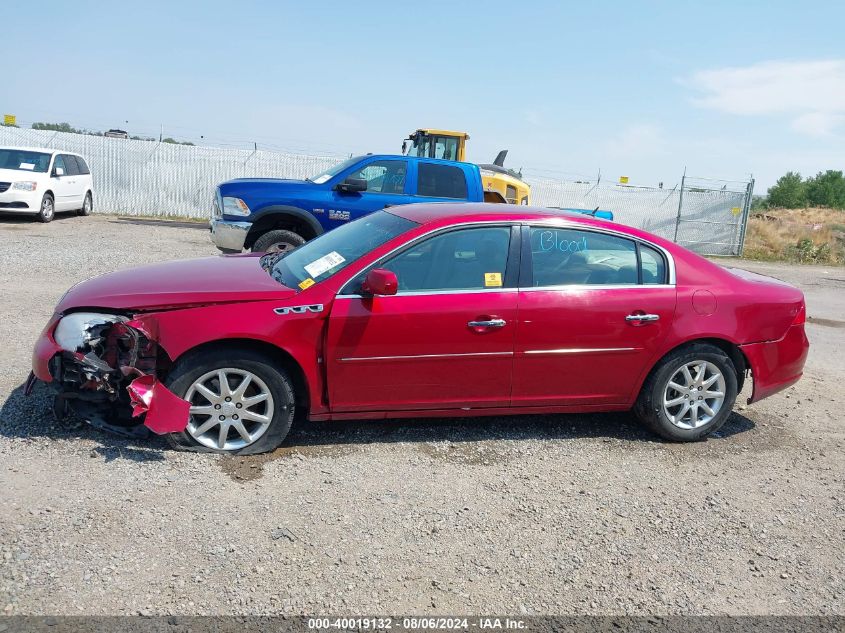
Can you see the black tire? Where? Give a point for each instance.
(87, 205)
(191, 368)
(649, 406)
(48, 209)
(278, 240)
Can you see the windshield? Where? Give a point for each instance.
(331, 172)
(24, 160)
(330, 253)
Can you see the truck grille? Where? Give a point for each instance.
(4, 186)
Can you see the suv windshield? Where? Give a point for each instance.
(330, 253)
(24, 160)
(331, 172)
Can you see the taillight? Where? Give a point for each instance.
(801, 317)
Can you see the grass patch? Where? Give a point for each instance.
(801, 236)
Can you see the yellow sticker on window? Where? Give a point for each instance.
(493, 280)
(306, 283)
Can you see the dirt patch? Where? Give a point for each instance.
(826, 322)
(470, 453)
(251, 467)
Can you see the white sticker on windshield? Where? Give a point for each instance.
(29, 166)
(326, 262)
(321, 179)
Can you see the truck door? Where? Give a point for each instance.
(387, 183)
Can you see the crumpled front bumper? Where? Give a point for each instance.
(105, 388)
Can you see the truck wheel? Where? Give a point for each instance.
(277, 241)
(241, 403)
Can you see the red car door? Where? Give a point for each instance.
(593, 310)
(444, 341)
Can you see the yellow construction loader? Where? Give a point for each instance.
(500, 184)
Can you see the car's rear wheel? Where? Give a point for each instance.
(48, 209)
(241, 403)
(277, 241)
(87, 205)
(689, 394)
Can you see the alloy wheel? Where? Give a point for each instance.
(694, 394)
(230, 409)
(47, 207)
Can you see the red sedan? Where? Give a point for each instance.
(423, 311)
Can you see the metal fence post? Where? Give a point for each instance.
(680, 205)
(749, 194)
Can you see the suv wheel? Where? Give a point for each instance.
(277, 241)
(689, 394)
(48, 209)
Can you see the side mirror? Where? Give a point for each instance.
(380, 282)
(352, 185)
(58, 171)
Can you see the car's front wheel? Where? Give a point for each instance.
(690, 393)
(47, 210)
(241, 403)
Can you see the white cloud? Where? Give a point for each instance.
(643, 139)
(810, 93)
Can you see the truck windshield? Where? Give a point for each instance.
(330, 253)
(331, 172)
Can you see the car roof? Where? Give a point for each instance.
(451, 213)
(43, 150)
(424, 213)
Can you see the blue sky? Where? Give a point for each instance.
(641, 89)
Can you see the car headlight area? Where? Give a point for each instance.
(76, 332)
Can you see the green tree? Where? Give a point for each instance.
(789, 191)
(827, 189)
(57, 127)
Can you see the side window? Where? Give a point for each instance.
(445, 147)
(441, 181)
(71, 168)
(59, 163)
(653, 265)
(83, 166)
(383, 176)
(467, 259)
(510, 194)
(571, 257)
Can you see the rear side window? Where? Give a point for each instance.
(71, 168)
(441, 181)
(653, 265)
(83, 166)
(562, 257)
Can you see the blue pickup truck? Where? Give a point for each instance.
(271, 214)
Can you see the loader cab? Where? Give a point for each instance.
(428, 143)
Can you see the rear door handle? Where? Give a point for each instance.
(489, 323)
(642, 318)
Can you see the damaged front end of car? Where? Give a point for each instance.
(106, 369)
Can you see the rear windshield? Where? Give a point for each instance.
(24, 160)
(330, 253)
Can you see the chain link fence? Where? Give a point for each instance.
(148, 178)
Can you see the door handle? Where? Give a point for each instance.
(488, 323)
(642, 318)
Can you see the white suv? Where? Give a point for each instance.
(44, 181)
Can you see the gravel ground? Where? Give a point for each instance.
(546, 514)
